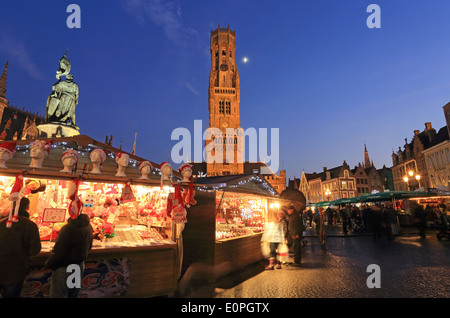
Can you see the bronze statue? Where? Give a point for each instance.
(64, 97)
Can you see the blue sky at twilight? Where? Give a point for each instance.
(314, 70)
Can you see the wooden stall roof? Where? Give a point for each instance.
(244, 183)
(83, 145)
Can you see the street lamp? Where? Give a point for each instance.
(409, 180)
(328, 194)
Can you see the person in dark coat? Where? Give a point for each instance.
(17, 245)
(72, 246)
(295, 231)
(344, 218)
(375, 219)
(420, 219)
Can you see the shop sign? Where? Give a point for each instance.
(54, 215)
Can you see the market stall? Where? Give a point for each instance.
(127, 204)
(400, 200)
(225, 226)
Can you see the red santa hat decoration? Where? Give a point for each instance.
(14, 197)
(9, 147)
(68, 166)
(75, 204)
(7, 150)
(44, 145)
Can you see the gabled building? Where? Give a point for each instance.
(437, 156)
(411, 160)
(330, 184)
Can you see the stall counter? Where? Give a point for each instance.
(153, 270)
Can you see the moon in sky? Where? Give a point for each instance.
(245, 59)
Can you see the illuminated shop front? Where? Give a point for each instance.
(225, 227)
(128, 213)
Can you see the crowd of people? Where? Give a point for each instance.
(355, 219)
(287, 226)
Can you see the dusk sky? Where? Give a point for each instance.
(314, 70)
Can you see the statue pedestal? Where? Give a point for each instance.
(55, 130)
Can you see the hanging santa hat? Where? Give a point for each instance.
(75, 204)
(9, 147)
(14, 197)
(18, 185)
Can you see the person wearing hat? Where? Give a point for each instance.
(295, 232)
(17, 245)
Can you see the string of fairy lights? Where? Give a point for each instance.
(254, 178)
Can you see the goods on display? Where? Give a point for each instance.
(122, 215)
(239, 214)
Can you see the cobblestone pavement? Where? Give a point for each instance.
(411, 267)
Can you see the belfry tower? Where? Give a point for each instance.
(223, 106)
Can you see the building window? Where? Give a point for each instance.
(221, 107)
(228, 107)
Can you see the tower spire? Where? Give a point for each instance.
(367, 163)
(3, 80)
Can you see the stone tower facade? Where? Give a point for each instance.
(222, 149)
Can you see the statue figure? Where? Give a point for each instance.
(64, 97)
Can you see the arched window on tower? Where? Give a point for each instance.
(221, 107)
(228, 107)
